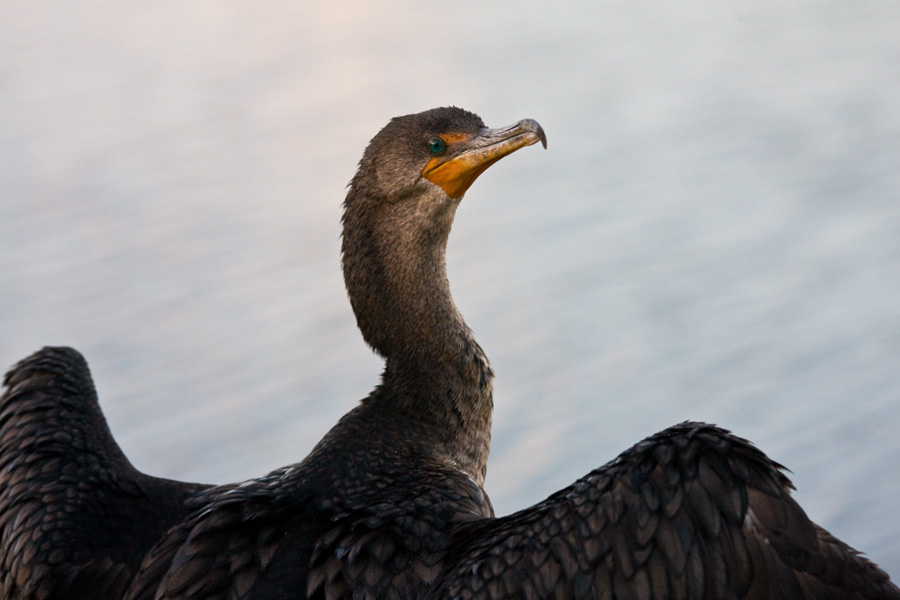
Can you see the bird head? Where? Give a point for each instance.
(400, 208)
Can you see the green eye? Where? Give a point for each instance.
(437, 146)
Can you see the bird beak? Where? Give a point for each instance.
(469, 157)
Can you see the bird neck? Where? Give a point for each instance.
(437, 380)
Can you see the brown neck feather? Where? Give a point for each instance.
(436, 377)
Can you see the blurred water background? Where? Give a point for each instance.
(713, 233)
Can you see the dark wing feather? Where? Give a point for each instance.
(287, 536)
(75, 517)
(690, 513)
(226, 545)
(282, 537)
(393, 548)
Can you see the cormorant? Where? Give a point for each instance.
(390, 504)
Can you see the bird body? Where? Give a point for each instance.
(390, 503)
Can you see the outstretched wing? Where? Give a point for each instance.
(75, 517)
(690, 513)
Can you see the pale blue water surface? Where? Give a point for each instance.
(713, 233)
